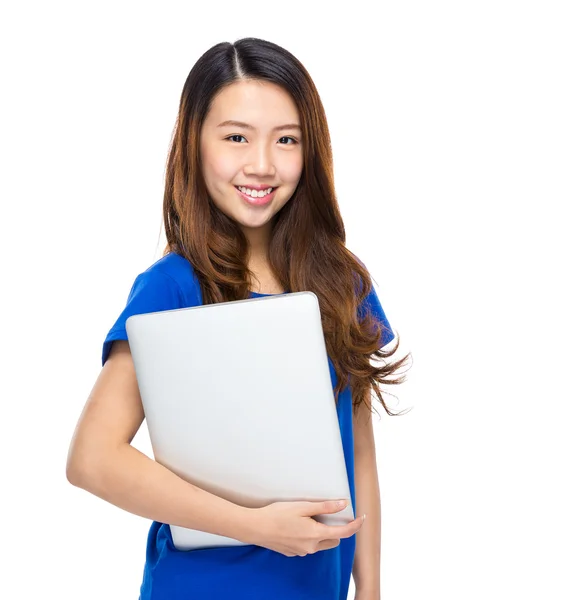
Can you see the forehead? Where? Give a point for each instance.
(259, 103)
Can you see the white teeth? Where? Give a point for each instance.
(255, 193)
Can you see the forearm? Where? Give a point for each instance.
(367, 564)
(134, 482)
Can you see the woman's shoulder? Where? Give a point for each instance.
(180, 272)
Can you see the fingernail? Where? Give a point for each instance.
(364, 517)
(342, 503)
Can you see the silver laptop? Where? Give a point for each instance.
(239, 401)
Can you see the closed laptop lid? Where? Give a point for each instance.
(239, 401)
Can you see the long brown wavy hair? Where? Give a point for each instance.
(307, 246)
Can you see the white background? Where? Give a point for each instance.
(452, 128)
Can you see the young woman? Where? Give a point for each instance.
(249, 210)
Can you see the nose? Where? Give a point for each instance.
(260, 161)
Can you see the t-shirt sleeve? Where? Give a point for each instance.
(152, 291)
(373, 304)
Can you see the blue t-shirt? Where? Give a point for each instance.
(240, 572)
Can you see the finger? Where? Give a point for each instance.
(328, 544)
(320, 508)
(342, 531)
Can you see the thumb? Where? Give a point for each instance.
(326, 507)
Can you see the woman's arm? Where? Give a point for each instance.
(102, 461)
(367, 565)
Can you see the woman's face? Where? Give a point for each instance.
(261, 152)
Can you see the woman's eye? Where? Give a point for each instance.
(282, 138)
(289, 138)
(234, 136)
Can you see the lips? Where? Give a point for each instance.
(257, 201)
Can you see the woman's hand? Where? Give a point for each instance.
(288, 527)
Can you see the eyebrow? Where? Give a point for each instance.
(247, 126)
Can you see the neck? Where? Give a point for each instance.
(258, 240)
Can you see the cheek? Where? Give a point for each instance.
(217, 163)
(224, 169)
(218, 175)
(291, 171)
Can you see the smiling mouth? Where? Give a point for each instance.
(237, 187)
(256, 200)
